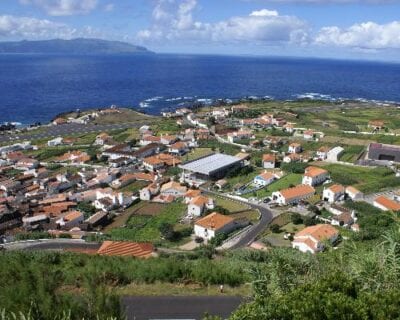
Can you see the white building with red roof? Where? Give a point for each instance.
(311, 239)
(293, 195)
(333, 193)
(264, 179)
(198, 205)
(269, 161)
(314, 176)
(212, 225)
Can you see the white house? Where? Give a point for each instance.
(333, 193)
(178, 148)
(334, 154)
(311, 238)
(212, 225)
(269, 161)
(173, 188)
(386, 204)
(239, 135)
(354, 194)
(27, 164)
(147, 193)
(308, 135)
(264, 179)
(55, 142)
(322, 153)
(106, 199)
(198, 205)
(191, 194)
(102, 139)
(294, 148)
(314, 176)
(70, 220)
(293, 195)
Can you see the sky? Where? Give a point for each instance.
(344, 29)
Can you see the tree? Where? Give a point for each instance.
(308, 221)
(167, 231)
(86, 208)
(296, 218)
(275, 228)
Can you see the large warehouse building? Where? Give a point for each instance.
(211, 167)
(383, 152)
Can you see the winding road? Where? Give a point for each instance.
(250, 235)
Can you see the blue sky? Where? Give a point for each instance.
(357, 29)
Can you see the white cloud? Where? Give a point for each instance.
(63, 7)
(109, 7)
(14, 27)
(264, 13)
(368, 35)
(377, 2)
(173, 21)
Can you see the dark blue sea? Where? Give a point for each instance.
(37, 87)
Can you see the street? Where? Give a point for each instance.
(266, 217)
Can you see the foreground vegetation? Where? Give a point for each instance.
(357, 281)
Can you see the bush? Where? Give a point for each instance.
(65, 236)
(275, 228)
(167, 231)
(296, 218)
(294, 167)
(309, 221)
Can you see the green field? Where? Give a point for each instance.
(145, 227)
(351, 153)
(134, 187)
(365, 179)
(197, 153)
(231, 206)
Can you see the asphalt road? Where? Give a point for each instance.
(65, 130)
(249, 236)
(265, 220)
(175, 307)
(51, 244)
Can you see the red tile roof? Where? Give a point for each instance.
(388, 203)
(126, 249)
(214, 221)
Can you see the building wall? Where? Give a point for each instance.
(313, 181)
(268, 165)
(379, 206)
(194, 210)
(281, 200)
(301, 246)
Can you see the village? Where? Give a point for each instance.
(233, 176)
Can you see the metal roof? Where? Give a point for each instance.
(209, 164)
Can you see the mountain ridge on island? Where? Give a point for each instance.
(73, 46)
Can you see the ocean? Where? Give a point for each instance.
(37, 87)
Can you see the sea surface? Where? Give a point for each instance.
(37, 87)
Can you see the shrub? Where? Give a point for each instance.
(275, 228)
(296, 218)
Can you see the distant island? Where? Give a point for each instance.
(74, 46)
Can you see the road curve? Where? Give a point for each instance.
(266, 217)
